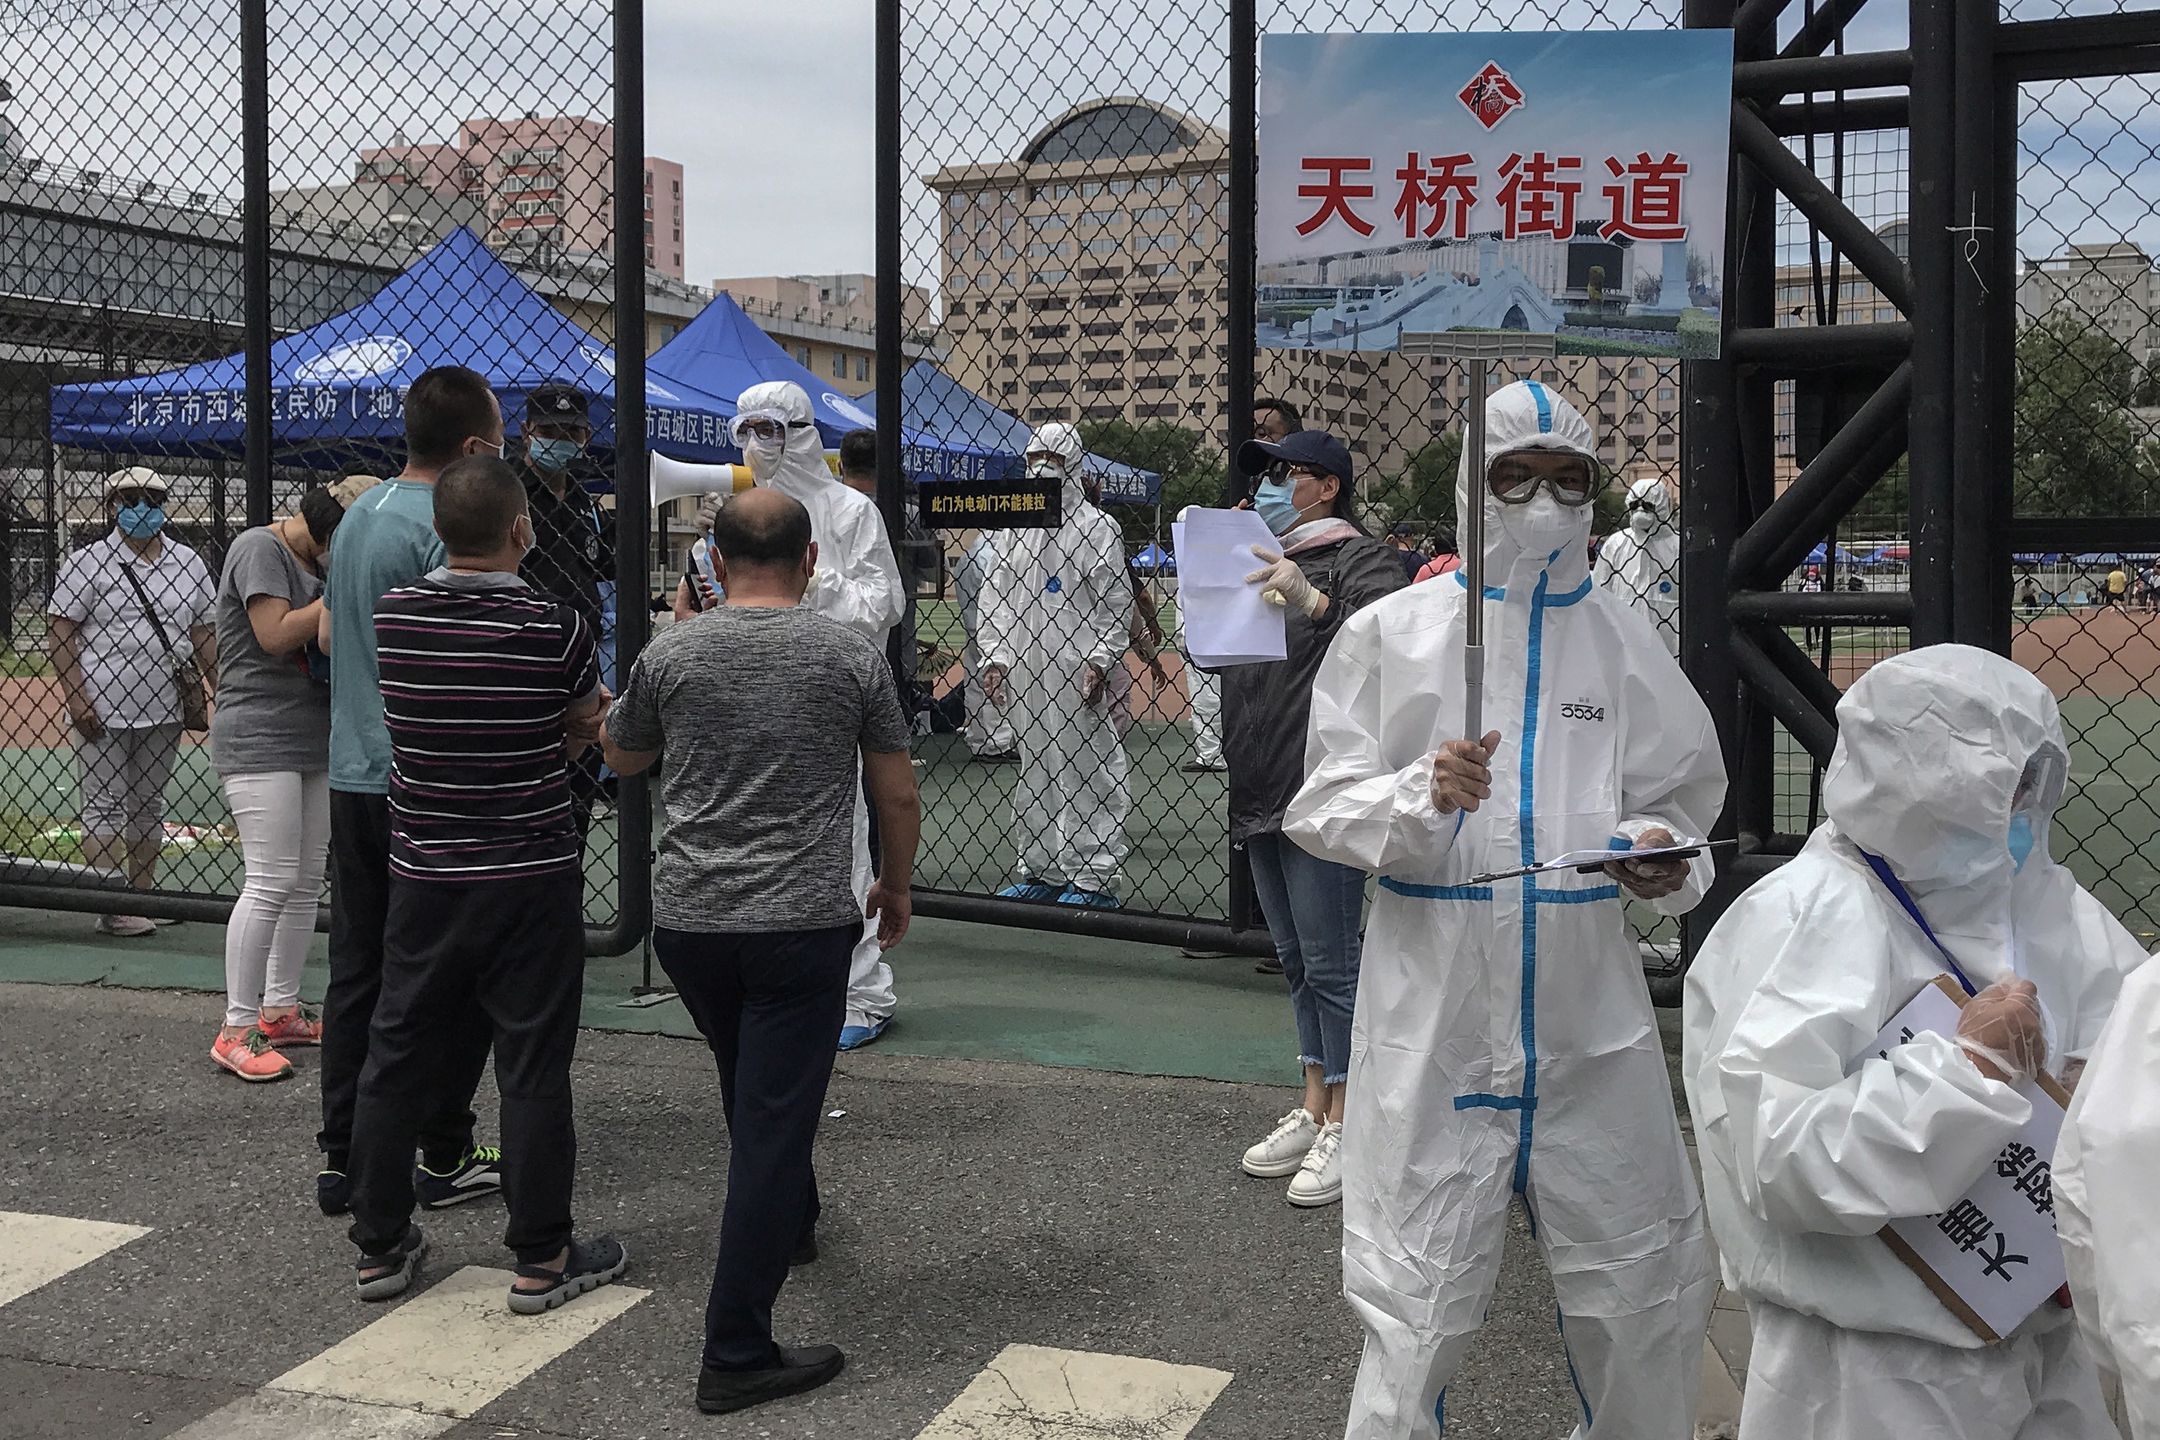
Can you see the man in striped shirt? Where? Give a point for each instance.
(479, 676)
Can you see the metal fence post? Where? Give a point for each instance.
(891, 321)
(255, 258)
(633, 482)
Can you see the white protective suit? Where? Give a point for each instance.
(2107, 1173)
(1504, 1042)
(857, 583)
(1641, 562)
(1808, 1150)
(1054, 602)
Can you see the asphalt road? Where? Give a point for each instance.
(969, 1207)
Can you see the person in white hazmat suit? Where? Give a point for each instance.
(1641, 564)
(1054, 615)
(1933, 862)
(2107, 1173)
(858, 584)
(1504, 1043)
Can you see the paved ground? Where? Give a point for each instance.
(972, 1207)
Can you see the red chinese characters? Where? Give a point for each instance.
(1535, 197)
(1646, 202)
(1443, 185)
(1335, 193)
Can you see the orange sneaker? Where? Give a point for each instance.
(302, 1027)
(250, 1057)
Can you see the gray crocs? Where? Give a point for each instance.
(591, 1264)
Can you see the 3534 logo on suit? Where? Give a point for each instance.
(1582, 710)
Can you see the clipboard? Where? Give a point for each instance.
(1589, 862)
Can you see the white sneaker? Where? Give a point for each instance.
(127, 926)
(1319, 1179)
(1284, 1149)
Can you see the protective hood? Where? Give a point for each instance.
(1931, 748)
(1651, 497)
(802, 463)
(1064, 441)
(1542, 537)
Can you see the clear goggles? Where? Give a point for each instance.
(1515, 480)
(768, 427)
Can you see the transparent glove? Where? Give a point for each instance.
(708, 510)
(2001, 1031)
(1462, 774)
(1092, 681)
(1282, 582)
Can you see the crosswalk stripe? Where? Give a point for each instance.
(1029, 1391)
(416, 1372)
(38, 1249)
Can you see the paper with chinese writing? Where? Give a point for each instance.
(1564, 185)
(1227, 621)
(1996, 1248)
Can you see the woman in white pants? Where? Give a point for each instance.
(270, 741)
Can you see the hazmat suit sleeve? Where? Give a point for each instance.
(2107, 1168)
(1112, 594)
(1609, 556)
(1358, 805)
(859, 584)
(997, 616)
(1819, 1143)
(2112, 955)
(1672, 771)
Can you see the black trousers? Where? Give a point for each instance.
(770, 1004)
(515, 950)
(359, 904)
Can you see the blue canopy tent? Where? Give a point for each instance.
(723, 352)
(339, 387)
(939, 405)
(1155, 560)
(1820, 555)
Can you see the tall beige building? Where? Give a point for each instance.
(1085, 279)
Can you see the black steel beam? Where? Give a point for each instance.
(1813, 347)
(1931, 434)
(1819, 31)
(1243, 318)
(255, 251)
(1096, 924)
(2080, 46)
(1850, 462)
(890, 217)
(1816, 733)
(1979, 576)
(1843, 117)
(1754, 24)
(1815, 74)
(1849, 607)
(1800, 185)
(1807, 677)
(633, 481)
(2106, 535)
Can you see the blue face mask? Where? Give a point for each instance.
(1273, 503)
(551, 453)
(2022, 841)
(140, 522)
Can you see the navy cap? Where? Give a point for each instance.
(558, 404)
(1316, 448)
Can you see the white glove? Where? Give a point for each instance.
(1284, 583)
(708, 510)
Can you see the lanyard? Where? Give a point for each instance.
(1904, 898)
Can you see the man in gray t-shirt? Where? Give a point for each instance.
(757, 713)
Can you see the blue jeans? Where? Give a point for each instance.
(1313, 909)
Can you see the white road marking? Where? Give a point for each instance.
(38, 1249)
(1029, 1392)
(417, 1371)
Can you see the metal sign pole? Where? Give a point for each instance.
(1473, 560)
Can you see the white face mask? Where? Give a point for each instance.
(1642, 522)
(1540, 525)
(763, 455)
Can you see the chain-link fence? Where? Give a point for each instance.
(439, 188)
(1067, 173)
(2086, 430)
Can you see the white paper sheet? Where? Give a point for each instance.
(1226, 621)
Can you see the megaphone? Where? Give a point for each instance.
(678, 479)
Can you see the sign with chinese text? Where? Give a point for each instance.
(1992, 1257)
(1569, 187)
(1015, 504)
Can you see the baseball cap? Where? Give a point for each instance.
(135, 477)
(1316, 448)
(557, 403)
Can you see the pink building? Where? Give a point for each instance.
(544, 183)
